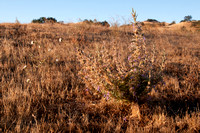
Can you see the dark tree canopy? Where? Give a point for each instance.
(44, 20)
(152, 20)
(187, 18)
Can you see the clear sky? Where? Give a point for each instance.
(111, 10)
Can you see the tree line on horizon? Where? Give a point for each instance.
(43, 20)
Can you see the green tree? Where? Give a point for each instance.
(52, 20)
(152, 20)
(44, 20)
(187, 18)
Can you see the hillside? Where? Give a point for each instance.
(43, 89)
(191, 26)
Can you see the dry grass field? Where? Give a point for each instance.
(41, 88)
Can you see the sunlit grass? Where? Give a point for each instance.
(80, 77)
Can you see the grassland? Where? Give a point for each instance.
(41, 91)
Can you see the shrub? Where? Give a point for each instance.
(196, 24)
(51, 20)
(173, 22)
(88, 21)
(152, 20)
(187, 18)
(105, 73)
(183, 28)
(40, 20)
(163, 24)
(103, 23)
(44, 20)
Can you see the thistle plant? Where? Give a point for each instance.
(104, 72)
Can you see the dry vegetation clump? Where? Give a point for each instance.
(43, 89)
(128, 76)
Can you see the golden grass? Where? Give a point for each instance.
(41, 91)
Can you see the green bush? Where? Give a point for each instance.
(152, 20)
(187, 18)
(44, 20)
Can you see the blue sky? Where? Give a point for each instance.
(111, 10)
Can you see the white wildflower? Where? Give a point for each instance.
(60, 39)
(32, 42)
(57, 60)
(28, 80)
(24, 67)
